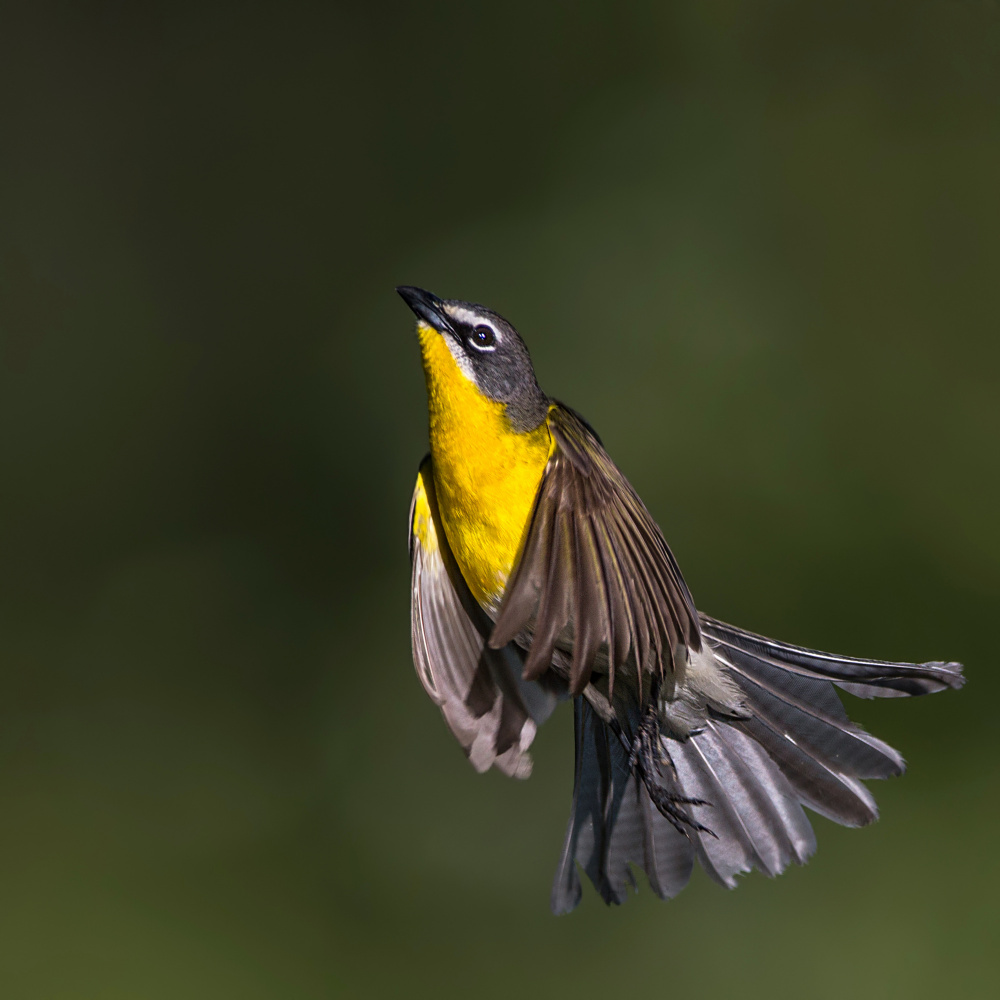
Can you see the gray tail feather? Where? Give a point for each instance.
(755, 817)
(795, 746)
(863, 678)
(797, 716)
(613, 823)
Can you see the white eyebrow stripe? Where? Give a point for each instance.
(471, 318)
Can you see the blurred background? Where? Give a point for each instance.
(757, 245)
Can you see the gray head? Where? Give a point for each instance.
(488, 350)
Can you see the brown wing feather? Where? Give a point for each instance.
(593, 558)
(486, 703)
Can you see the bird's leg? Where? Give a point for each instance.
(647, 751)
(646, 756)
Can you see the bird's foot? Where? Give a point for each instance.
(646, 756)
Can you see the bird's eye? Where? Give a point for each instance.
(482, 337)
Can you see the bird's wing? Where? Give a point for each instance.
(594, 558)
(491, 710)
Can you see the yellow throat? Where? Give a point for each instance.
(486, 475)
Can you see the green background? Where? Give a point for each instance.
(757, 245)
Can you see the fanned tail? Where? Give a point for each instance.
(790, 745)
(613, 823)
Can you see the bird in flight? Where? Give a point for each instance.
(538, 575)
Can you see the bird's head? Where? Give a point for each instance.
(485, 348)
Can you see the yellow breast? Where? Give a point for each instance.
(485, 474)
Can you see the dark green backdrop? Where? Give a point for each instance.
(758, 245)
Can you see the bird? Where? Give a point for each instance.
(539, 576)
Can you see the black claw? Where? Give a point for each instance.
(666, 803)
(685, 801)
(645, 757)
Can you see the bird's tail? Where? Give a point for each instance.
(793, 746)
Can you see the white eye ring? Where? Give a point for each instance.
(483, 337)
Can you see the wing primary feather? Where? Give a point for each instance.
(647, 616)
(660, 589)
(634, 593)
(493, 713)
(592, 556)
(615, 614)
(590, 617)
(553, 610)
(482, 694)
(625, 626)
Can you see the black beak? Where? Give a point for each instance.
(428, 307)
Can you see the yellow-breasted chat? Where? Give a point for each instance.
(539, 575)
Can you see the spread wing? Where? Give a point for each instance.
(594, 560)
(492, 711)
